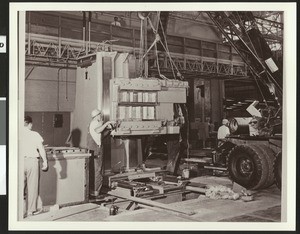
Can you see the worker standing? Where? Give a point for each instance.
(96, 132)
(223, 132)
(31, 149)
(116, 22)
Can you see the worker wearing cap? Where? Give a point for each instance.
(31, 149)
(95, 134)
(223, 132)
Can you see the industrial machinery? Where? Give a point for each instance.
(253, 158)
(145, 105)
(139, 106)
(118, 84)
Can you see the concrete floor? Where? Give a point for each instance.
(265, 207)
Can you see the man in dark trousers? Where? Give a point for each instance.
(96, 132)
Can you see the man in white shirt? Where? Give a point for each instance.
(31, 149)
(116, 22)
(223, 132)
(96, 132)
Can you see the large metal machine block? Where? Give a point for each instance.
(145, 106)
(89, 89)
(140, 128)
(103, 82)
(145, 128)
(114, 92)
(137, 84)
(172, 95)
(175, 83)
(164, 111)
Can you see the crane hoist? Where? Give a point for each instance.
(254, 160)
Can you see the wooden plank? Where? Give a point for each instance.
(155, 204)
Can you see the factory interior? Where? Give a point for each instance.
(163, 83)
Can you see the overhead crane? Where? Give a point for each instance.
(254, 159)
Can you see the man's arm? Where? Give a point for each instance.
(68, 141)
(43, 155)
(101, 128)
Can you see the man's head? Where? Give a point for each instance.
(28, 122)
(116, 18)
(95, 113)
(225, 121)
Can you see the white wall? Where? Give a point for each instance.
(43, 92)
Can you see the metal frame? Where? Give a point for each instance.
(64, 52)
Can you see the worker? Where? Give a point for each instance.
(97, 130)
(31, 149)
(116, 21)
(223, 132)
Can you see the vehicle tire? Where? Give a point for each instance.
(277, 170)
(270, 156)
(248, 166)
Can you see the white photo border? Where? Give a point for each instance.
(16, 114)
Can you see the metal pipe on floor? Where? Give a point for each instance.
(195, 189)
(153, 203)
